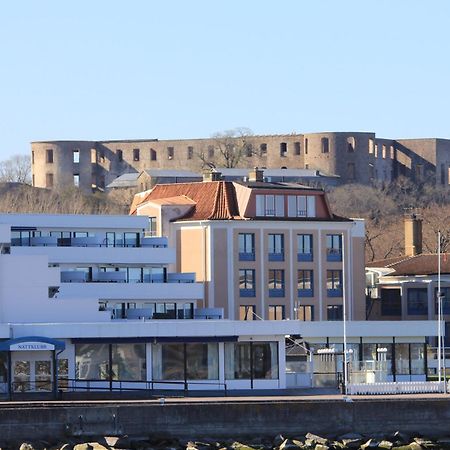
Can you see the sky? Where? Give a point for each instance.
(169, 69)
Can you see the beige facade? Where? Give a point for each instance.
(355, 157)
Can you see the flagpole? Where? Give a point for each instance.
(344, 314)
(439, 310)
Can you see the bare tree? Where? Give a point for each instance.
(228, 149)
(16, 169)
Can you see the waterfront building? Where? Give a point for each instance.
(354, 157)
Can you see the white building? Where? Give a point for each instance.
(94, 297)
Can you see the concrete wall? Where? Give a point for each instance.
(190, 420)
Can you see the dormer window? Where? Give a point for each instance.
(301, 206)
(270, 205)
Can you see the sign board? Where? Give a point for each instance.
(31, 346)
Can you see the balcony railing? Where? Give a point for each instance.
(120, 276)
(334, 254)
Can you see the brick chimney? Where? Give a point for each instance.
(256, 175)
(211, 175)
(413, 234)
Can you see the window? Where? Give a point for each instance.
(49, 180)
(301, 205)
(283, 149)
(248, 150)
(392, 152)
(304, 247)
(119, 154)
(334, 283)
(262, 149)
(306, 146)
(334, 312)
(304, 313)
(276, 283)
(276, 247)
(246, 243)
(32, 157)
(49, 156)
(325, 145)
(418, 301)
(76, 156)
(276, 312)
(170, 152)
(350, 144)
(76, 179)
(419, 172)
(351, 171)
(297, 148)
(210, 151)
(305, 283)
(101, 155)
(270, 205)
(247, 282)
(153, 156)
(383, 151)
(376, 150)
(445, 295)
(190, 152)
(247, 312)
(334, 247)
(152, 226)
(371, 146)
(135, 154)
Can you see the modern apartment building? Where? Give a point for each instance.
(354, 157)
(263, 249)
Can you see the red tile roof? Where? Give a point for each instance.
(215, 200)
(423, 264)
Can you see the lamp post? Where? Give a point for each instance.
(344, 314)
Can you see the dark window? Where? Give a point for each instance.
(246, 282)
(153, 156)
(49, 156)
(325, 145)
(297, 148)
(305, 283)
(135, 154)
(306, 146)
(351, 144)
(283, 149)
(190, 152)
(334, 283)
(246, 246)
(391, 302)
(276, 283)
(334, 312)
(351, 171)
(304, 313)
(49, 180)
(276, 247)
(276, 312)
(418, 301)
(445, 296)
(334, 247)
(170, 152)
(32, 157)
(210, 151)
(304, 247)
(263, 149)
(248, 150)
(119, 154)
(247, 312)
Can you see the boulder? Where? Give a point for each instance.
(371, 443)
(321, 447)
(312, 439)
(385, 444)
(26, 446)
(278, 440)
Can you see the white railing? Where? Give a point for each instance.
(396, 387)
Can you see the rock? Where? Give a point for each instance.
(26, 446)
(385, 444)
(411, 446)
(321, 447)
(425, 443)
(371, 443)
(401, 438)
(298, 443)
(287, 444)
(83, 446)
(278, 440)
(313, 439)
(240, 446)
(66, 446)
(352, 443)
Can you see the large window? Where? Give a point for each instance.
(246, 246)
(304, 247)
(301, 206)
(276, 247)
(334, 247)
(418, 301)
(270, 205)
(391, 302)
(304, 313)
(181, 361)
(445, 293)
(123, 362)
(276, 312)
(334, 283)
(247, 312)
(276, 283)
(251, 360)
(305, 283)
(49, 156)
(334, 312)
(247, 282)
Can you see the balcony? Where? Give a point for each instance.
(247, 256)
(334, 254)
(175, 314)
(120, 276)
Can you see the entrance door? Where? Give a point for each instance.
(32, 372)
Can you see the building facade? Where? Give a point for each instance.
(263, 249)
(354, 157)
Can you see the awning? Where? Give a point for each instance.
(153, 339)
(31, 343)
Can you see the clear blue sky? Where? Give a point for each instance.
(94, 69)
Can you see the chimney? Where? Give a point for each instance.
(211, 175)
(256, 175)
(413, 234)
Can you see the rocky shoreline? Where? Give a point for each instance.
(395, 441)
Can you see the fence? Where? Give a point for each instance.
(399, 387)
